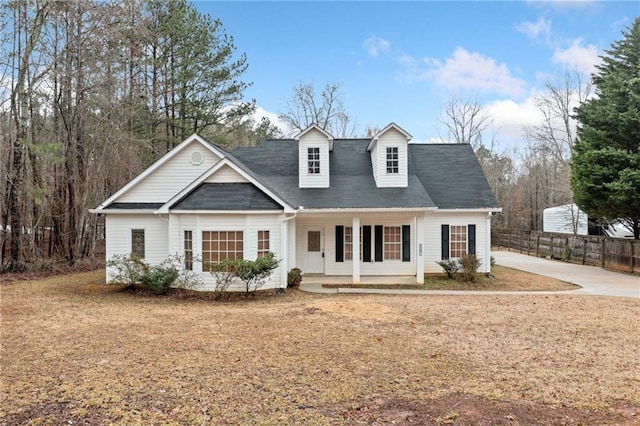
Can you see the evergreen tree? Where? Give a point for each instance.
(606, 162)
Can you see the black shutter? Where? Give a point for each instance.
(378, 242)
(444, 229)
(366, 243)
(471, 231)
(406, 243)
(339, 243)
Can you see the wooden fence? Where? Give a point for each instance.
(611, 253)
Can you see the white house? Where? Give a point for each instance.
(351, 207)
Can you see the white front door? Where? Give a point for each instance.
(314, 252)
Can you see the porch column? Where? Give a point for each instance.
(419, 230)
(487, 256)
(355, 244)
(284, 252)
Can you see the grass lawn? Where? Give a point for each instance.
(75, 351)
(503, 279)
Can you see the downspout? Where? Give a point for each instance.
(285, 250)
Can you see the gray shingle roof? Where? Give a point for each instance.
(226, 196)
(134, 206)
(351, 182)
(452, 176)
(444, 176)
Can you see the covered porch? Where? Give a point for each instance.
(358, 247)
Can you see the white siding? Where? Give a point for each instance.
(226, 175)
(172, 177)
(118, 236)
(567, 219)
(391, 138)
(432, 237)
(313, 139)
(247, 223)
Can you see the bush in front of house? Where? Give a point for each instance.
(467, 267)
(469, 264)
(450, 266)
(131, 270)
(294, 277)
(253, 273)
(223, 273)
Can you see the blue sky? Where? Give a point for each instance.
(401, 61)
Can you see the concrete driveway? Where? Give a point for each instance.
(592, 279)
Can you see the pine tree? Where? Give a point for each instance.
(606, 162)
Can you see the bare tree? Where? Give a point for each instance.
(465, 121)
(27, 27)
(325, 109)
(545, 172)
(556, 134)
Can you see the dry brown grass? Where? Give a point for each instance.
(503, 279)
(78, 351)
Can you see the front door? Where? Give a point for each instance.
(314, 254)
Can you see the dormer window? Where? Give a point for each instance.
(392, 159)
(313, 160)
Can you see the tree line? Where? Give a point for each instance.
(93, 92)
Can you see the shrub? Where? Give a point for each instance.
(294, 277)
(125, 269)
(159, 278)
(469, 264)
(130, 270)
(186, 278)
(450, 266)
(223, 274)
(255, 273)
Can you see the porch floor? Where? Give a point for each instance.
(364, 279)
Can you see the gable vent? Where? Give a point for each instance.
(196, 158)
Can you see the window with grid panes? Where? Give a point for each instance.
(313, 160)
(221, 245)
(392, 242)
(188, 250)
(348, 243)
(457, 241)
(263, 243)
(392, 159)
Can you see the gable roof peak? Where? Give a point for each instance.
(388, 127)
(313, 126)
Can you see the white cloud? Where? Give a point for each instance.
(376, 45)
(466, 70)
(578, 57)
(536, 30)
(511, 117)
(273, 118)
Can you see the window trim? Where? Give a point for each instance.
(313, 160)
(188, 249)
(393, 161)
(446, 234)
(263, 251)
(392, 247)
(134, 251)
(461, 244)
(207, 255)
